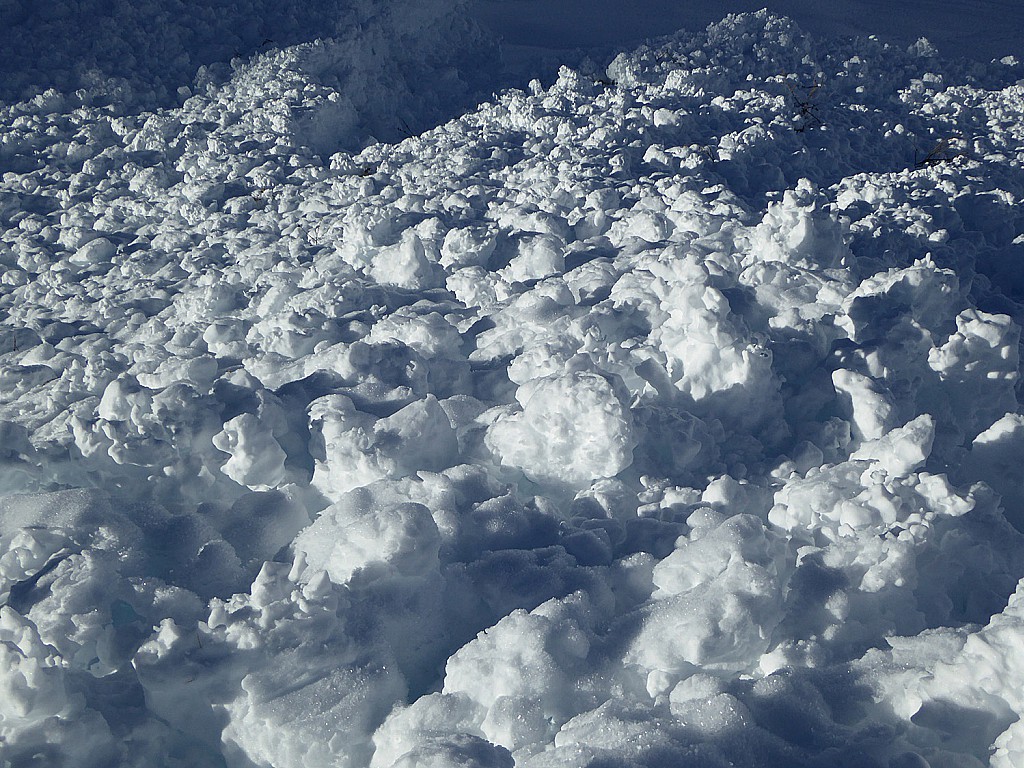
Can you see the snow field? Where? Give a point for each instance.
(666, 415)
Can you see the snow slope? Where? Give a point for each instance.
(666, 415)
(981, 29)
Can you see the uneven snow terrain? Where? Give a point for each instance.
(974, 29)
(663, 416)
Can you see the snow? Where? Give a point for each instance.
(982, 29)
(573, 429)
(359, 409)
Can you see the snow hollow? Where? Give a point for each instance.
(664, 413)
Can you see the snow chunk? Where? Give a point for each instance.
(711, 356)
(39, 712)
(539, 256)
(572, 429)
(801, 231)
(440, 729)
(405, 265)
(353, 449)
(94, 252)
(257, 459)
(979, 366)
(456, 751)
(292, 715)
(520, 672)
(869, 409)
(902, 450)
(922, 293)
(716, 606)
(995, 457)
(358, 537)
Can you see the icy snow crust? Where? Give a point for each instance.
(666, 416)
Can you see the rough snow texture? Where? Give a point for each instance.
(665, 416)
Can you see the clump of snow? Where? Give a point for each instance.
(356, 539)
(572, 429)
(715, 605)
(257, 460)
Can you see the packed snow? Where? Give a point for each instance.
(664, 412)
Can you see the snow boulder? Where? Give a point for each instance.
(358, 537)
(717, 601)
(572, 429)
(256, 458)
(353, 449)
(995, 457)
(520, 672)
(801, 231)
(40, 712)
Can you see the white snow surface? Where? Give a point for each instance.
(662, 413)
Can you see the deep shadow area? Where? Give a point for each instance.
(151, 48)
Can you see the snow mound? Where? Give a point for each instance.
(142, 55)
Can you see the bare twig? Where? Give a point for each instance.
(802, 97)
(944, 151)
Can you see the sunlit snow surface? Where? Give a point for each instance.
(663, 416)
